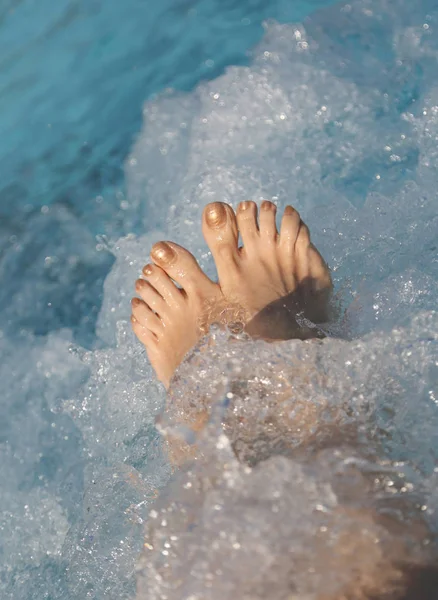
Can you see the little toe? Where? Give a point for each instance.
(319, 271)
(145, 335)
(161, 281)
(182, 266)
(303, 238)
(150, 295)
(267, 225)
(247, 222)
(302, 246)
(220, 232)
(145, 316)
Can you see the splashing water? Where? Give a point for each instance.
(287, 497)
(347, 139)
(339, 117)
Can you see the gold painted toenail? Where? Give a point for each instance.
(289, 210)
(162, 252)
(148, 270)
(139, 284)
(216, 215)
(135, 301)
(266, 205)
(244, 205)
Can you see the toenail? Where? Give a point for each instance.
(216, 215)
(147, 271)
(266, 205)
(244, 205)
(163, 253)
(135, 301)
(289, 211)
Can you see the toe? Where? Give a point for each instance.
(145, 335)
(247, 222)
(161, 281)
(303, 238)
(220, 232)
(182, 266)
(150, 295)
(302, 247)
(267, 225)
(145, 316)
(319, 271)
(290, 227)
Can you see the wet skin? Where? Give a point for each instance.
(263, 284)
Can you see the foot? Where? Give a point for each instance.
(270, 265)
(168, 318)
(279, 273)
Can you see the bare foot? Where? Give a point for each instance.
(270, 265)
(169, 320)
(264, 284)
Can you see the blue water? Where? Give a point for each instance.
(337, 115)
(73, 79)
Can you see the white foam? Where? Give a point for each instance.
(298, 128)
(307, 445)
(309, 122)
(346, 132)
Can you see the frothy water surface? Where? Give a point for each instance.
(299, 484)
(339, 117)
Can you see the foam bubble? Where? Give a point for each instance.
(338, 117)
(308, 471)
(344, 133)
(340, 121)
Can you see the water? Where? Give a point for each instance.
(338, 116)
(72, 83)
(284, 505)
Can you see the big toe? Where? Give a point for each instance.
(182, 267)
(220, 232)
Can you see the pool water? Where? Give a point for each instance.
(337, 114)
(72, 84)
